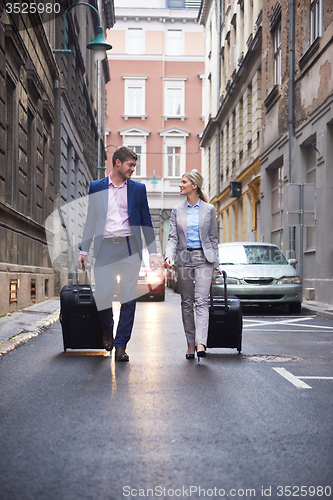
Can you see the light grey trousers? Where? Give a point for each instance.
(194, 279)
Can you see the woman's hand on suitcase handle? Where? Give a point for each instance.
(168, 262)
(83, 261)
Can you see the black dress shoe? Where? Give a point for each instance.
(189, 356)
(108, 340)
(121, 354)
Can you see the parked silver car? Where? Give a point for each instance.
(259, 273)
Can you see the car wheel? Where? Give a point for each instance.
(295, 307)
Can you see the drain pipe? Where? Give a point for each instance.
(291, 115)
(218, 135)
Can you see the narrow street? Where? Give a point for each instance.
(82, 427)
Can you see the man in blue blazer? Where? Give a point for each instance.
(117, 214)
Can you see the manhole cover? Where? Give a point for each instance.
(271, 358)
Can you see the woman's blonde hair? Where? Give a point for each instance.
(196, 179)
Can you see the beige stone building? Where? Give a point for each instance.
(232, 135)
(269, 123)
(297, 144)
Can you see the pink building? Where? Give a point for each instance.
(154, 98)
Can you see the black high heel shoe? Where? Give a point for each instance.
(189, 356)
(201, 354)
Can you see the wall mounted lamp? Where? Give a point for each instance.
(99, 45)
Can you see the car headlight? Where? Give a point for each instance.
(290, 280)
(218, 280)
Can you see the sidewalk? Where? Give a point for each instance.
(19, 327)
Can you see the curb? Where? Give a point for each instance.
(23, 337)
(319, 312)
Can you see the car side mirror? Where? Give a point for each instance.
(292, 262)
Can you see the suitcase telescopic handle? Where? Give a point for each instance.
(225, 293)
(77, 269)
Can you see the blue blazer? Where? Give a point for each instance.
(138, 211)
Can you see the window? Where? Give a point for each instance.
(311, 179)
(277, 206)
(173, 154)
(175, 4)
(174, 101)
(174, 43)
(136, 139)
(174, 151)
(138, 151)
(13, 289)
(174, 98)
(9, 144)
(316, 19)
(135, 90)
(135, 41)
(33, 289)
(277, 54)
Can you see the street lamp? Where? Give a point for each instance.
(99, 45)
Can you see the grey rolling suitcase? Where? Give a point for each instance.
(225, 321)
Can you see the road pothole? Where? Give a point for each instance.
(271, 358)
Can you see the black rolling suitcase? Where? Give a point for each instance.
(81, 328)
(225, 321)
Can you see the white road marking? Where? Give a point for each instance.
(296, 381)
(255, 322)
(267, 330)
(291, 378)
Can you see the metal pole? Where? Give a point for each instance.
(291, 109)
(301, 223)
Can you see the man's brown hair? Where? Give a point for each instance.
(123, 154)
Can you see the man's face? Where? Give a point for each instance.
(126, 169)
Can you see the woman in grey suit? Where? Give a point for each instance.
(193, 244)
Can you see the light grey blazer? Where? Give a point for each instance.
(177, 240)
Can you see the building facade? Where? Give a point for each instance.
(232, 135)
(49, 141)
(269, 125)
(154, 98)
(297, 138)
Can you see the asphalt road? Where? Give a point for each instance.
(82, 427)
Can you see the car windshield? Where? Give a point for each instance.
(250, 254)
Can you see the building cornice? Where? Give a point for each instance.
(204, 11)
(154, 57)
(208, 132)
(160, 15)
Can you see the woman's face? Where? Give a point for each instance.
(186, 186)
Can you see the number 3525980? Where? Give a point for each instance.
(32, 8)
